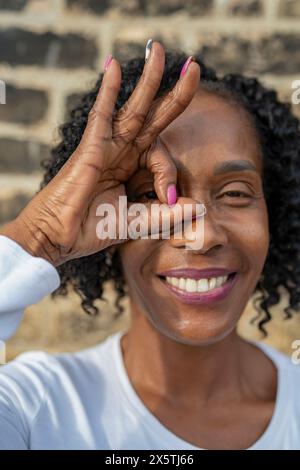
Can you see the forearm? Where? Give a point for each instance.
(24, 280)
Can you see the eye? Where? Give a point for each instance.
(239, 194)
(151, 195)
(236, 194)
(148, 196)
(235, 198)
(144, 196)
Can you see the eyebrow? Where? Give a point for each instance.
(234, 165)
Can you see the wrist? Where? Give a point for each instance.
(31, 240)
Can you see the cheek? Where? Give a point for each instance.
(250, 234)
(133, 254)
(126, 251)
(136, 258)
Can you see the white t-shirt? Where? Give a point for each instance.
(85, 400)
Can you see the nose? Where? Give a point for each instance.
(214, 234)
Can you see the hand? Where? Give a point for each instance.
(59, 223)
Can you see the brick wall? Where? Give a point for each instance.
(51, 50)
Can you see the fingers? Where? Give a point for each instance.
(80, 174)
(157, 160)
(130, 118)
(159, 221)
(167, 108)
(99, 126)
(112, 219)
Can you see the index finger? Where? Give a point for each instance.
(164, 110)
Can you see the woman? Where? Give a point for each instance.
(180, 377)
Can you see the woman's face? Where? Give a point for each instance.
(219, 164)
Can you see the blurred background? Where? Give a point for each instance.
(53, 50)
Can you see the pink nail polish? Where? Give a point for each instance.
(172, 195)
(185, 65)
(107, 62)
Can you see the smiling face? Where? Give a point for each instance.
(197, 297)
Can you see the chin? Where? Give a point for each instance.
(198, 329)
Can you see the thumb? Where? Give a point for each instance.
(159, 221)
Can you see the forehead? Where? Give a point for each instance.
(211, 126)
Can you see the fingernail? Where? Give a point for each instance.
(171, 195)
(108, 60)
(185, 65)
(148, 49)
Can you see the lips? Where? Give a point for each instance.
(191, 285)
(194, 273)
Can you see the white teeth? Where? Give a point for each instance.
(174, 281)
(203, 285)
(193, 285)
(181, 284)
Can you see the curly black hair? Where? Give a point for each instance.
(279, 135)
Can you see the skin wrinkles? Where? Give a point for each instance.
(186, 361)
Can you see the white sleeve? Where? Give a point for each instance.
(24, 384)
(24, 280)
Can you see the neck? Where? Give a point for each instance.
(182, 372)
